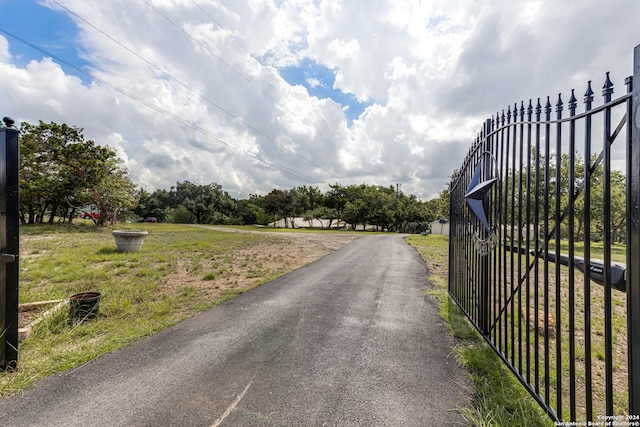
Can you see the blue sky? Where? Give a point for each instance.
(319, 82)
(55, 32)
(50, 30)
(431, 72)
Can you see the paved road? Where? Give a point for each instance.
(350, 340)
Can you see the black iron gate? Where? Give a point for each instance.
(9, 245)
(544, 253)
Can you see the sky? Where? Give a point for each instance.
(258, 94)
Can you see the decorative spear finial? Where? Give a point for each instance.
(588, 95)
(573, 102)
(559, 104)
(547, 106)
(607, 89)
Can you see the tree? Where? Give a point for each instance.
(114, 194)
(618, 202)
(286, 204)
(62, 170)
(382, 203)
(319, 213)
(533, 195)
(335, 200)
(356, 212)
(208, 204)
(43, 181)
(273, 204)
(310, 198)
(158, 204)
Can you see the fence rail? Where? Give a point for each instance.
(545, 248)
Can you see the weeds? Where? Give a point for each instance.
(499, 400)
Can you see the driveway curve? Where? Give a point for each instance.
(349, 340)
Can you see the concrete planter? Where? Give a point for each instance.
(129, 240)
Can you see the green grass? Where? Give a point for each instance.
(59, 261)
(499, 400)
(618, 251)
(560, 314)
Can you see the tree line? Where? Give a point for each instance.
(63, 175)
(534, 191)
(363, 206)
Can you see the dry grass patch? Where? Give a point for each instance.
(244, 268)
(179, 272)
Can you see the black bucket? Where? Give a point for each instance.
(84, 306)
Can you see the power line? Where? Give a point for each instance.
(225, 30)
(242, 46)
(201, 96)
(161, 110)
(247, 79)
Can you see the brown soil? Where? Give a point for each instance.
(240, 269)
(243, 269)
(26, 317)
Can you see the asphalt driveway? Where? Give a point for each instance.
(349, 340)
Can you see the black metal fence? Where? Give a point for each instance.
(545, 249)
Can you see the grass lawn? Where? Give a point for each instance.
(500, 400)
(183, 270)
(179, 272)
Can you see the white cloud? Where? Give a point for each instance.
(432, 70)
(313, 82)
(4, 50)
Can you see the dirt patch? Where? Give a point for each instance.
(216, 275)
(26, 317)
(242, 269)
(31, 314)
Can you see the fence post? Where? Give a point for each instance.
(9, 245)
(633, 238)
(485, 267)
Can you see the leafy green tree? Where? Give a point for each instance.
(335, 200)
(286, 204)
(413, 216)
(310, 198)
(208, 204)
(180, 215)
(274, 204)
(42, 175)
(526, 199)
(382, 203)
(438, 207)
(618, 205)
(115, 194)
(356, 212)
(157, 204)
(62, 170)
(250, 211)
